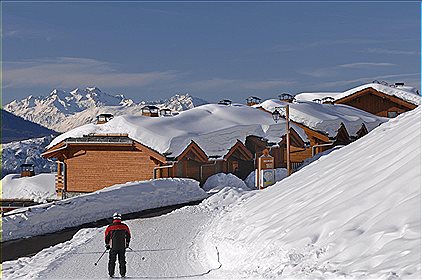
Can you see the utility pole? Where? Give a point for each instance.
(288, 140)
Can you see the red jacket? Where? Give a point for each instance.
(117, 235)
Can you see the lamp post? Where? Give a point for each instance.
(276, 117)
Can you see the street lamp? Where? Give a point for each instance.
(276, 117)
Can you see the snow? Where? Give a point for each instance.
(124, 198)
(219, 181)
(406, 93)
(319, 155)
(326, 118)
(352, 214)
(214, 127)
(38, 188)
(355, 213)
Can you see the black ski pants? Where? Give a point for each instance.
(112, 261)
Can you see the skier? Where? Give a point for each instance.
(117, 239)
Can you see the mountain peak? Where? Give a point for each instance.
(93, 89)
(63, 110)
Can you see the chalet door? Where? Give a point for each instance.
(193, 170)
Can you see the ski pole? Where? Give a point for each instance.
(101, 256)
(143, 258)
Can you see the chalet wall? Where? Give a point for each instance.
(93, 169)
(376, 105)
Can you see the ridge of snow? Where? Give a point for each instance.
(99, 205)
(355, 213)
(214, 127)
(326, 118)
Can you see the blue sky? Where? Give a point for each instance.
(149, 51)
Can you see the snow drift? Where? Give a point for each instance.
(355, 213)
(124, 198)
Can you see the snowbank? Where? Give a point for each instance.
(214, 127)
(38, 188)
(219, 181)
(124, 198)
(356, 213)
(280, 174)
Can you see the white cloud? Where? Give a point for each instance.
(390, 51)
(409, 77)
(332, 71)
(359, 65)
(69, 72)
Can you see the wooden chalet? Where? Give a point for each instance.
(92, 162)
(377, 102)
(319, 142)
(257, 145)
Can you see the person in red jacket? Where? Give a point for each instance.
(117, 239)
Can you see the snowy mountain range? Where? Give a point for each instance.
(62, 110)
(15, 128)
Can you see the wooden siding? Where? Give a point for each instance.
(377, 103)
(94, 168)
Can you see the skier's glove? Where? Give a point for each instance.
(108, 246)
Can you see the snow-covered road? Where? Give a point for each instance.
(167, 243)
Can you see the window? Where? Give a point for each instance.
(392, 114)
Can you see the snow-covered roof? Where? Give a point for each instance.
(326, 118)
(214, 127)
(405, 93)
(38, 188)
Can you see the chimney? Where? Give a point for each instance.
(225, 102)
(27, 170)
(253, 100)
(103, 118)
(150, 111)
(286, 97)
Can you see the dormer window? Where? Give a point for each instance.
(286, 97)
(225, 102)
(327, 100)
(253, 100)
(27, 170)
(165, 112)
(150, 111)
(103, 118)
(392, 114)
